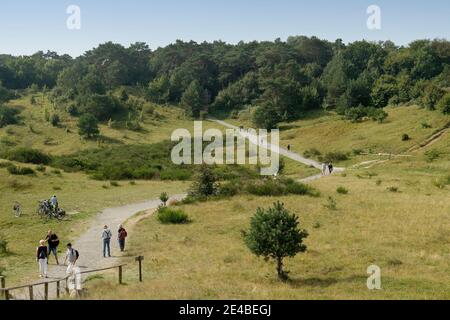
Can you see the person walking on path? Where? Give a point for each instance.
(53, 243)
(324, 168)
(41, 258)
(330, 168)
(106, 236)
(122, 235)
(72, 256)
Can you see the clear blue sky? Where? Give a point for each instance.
(27, 26)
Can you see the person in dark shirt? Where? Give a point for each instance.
(41, 258)
(122, 235)
(53, 243)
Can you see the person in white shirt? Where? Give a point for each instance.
(106, 236)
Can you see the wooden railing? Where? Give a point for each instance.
(6, 291)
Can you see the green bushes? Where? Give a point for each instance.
(312, 153)
(342, 190)
(279, 187)
(432, 155)
(359, 113)
(8, 116)
(168, 215)
(3, 246)
(55, 119)
(27, 155)
(335, 156)
(20, 171)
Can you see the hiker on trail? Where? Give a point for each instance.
(54, 202)
(106, 236)
(122, 235)
(72, 256)
(53, 243)
(41, 258)
(330, 168)
(324, 168)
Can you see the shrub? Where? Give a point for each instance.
(168, 215)
(393, 189)
(88, 126)
(294, 187)
(27, 155)
(20, 171)
(274, 233)
(3, 246)
(312, 153)
(444, 104)
(335, 157)
(72, 110)
(8, 116)
(55, 119)
(114, 184)
(229, 189)
(342, 190)
(278, 187)
(266, 188)
(164, 197)
(425, 125)
(205, 183)
(432, 155)
(405, 137)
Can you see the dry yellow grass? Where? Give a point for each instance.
(405, 233)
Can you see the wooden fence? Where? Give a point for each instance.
(6, 291)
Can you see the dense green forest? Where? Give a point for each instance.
(279, 80)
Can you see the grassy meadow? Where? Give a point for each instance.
(395, 214)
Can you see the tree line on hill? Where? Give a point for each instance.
(277, 80)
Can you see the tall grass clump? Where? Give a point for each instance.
(19, 171)
(27, 155)
(168, 215)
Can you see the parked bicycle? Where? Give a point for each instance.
(46, 211)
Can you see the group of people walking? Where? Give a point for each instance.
(49, 246)
(327, 168)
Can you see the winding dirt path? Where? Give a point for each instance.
(89, 244)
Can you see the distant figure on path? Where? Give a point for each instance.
(330, 168)
(41, 258)
(289, 147)
(324, 168)
(53, 243)
(72, 256)
(122, 235)
(106, 236)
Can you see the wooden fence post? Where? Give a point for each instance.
(139, 259)
(3, 284)
(67, 285)
(120, 274)
(46, 291)
(58, 289)
(6, 294)
(30, 290)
